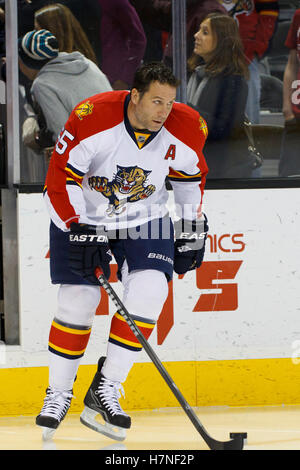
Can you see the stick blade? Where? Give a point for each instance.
(235, 444)
(237, 441)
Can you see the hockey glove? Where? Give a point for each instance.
(88, 249)
(190, 244)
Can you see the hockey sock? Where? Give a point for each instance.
(70, 332)
(67, 344)
(121, 334)
(123, 347)
(145, 292)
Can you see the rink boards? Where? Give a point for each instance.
(229, 333)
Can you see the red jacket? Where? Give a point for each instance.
(257, 20)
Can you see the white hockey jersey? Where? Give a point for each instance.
(102, 172)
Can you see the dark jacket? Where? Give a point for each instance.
(221, 101)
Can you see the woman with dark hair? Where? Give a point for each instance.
(218, 89)
(60, 21)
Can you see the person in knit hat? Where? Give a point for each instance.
(60, 80)
(36, 48)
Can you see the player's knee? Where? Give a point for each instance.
(146, 293)
(77, 304)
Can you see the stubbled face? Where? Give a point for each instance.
(205, 41)
(150, 110)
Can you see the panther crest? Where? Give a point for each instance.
(127, 185)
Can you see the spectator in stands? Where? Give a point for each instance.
(123, 42)
(75, 24)
(87, 12)
(60, 80)
(218, 90)
(289, 164)
(156, 18)
(60, 21)
(257, 21)
(196, 11)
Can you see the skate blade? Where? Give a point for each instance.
(88, 418)
(48, 433)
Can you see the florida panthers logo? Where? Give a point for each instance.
(127, 185)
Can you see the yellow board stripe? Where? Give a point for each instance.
(137, 322)
(240, 382)
(73, 331)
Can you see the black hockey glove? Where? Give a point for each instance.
(190, 244)
(88, 249)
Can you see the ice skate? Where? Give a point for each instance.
(56, 405)
(102, 398)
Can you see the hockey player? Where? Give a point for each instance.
(106, 194)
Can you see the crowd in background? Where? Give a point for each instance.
(73, 49)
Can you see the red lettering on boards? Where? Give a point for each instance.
(226, 243)
(208, 276)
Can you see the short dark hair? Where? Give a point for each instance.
(153, 72)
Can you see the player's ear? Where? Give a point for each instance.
(135, 95)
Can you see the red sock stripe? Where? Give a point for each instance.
(120, 332)
(67, 341)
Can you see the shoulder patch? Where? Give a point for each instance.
(203, 126)
(84, 109)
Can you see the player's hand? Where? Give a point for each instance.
(88, 249)
(189, 244)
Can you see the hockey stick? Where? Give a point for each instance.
(237, 441)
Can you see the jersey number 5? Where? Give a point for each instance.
(61, 144)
